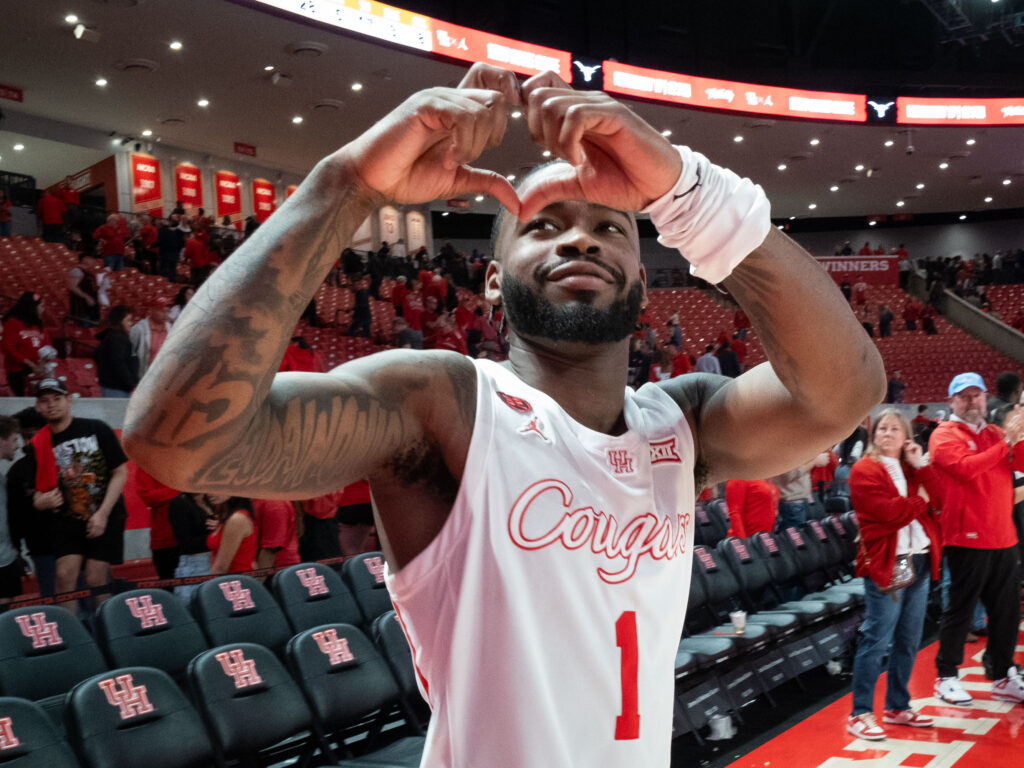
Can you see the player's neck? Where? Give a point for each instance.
(586, 380)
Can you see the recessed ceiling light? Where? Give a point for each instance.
(812, 206)
(18, 147)
(782, 166)
(175, 45)
(479, 198)
(101, 81)
(71, 18)
(666, 133)
(297, 119)
(963, 216)
(889, 142)
(203, 102)
(791, 218)
(815, 142)
(872, 223)
(444, 213)
(834, 188)
(511, 177)
(971, 142)
(546, 153)
(1007, 182)
(737, 139)
(858, 167)
(920, 186)
(147, 132)
(516, 115)
(357, 86)
(943, 165)
(900, 203)
(988, 199)
(268, 68)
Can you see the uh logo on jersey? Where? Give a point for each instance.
(545, 515)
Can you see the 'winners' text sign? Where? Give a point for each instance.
(873, 270)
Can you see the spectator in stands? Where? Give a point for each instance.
(895, 388)
(355, 518)
(11, 565)
(860, 293)
(83, 291)
(885, 318)
(300, 356)
(79, 471)
(795, 493)
(398, 293)
(5, 215)
(847, 290)
(910, 314)
(753, 506)
(170, 241)
(741, 323)
(928, 315)
(728, 361)
(661, 368)
(823, 475)
(277, 538)
(865, 321)
(406, 337)
(739, 346)
(675, 333)
(923, 425)
(116, 366)
(232, 542)
(199, 258)
(110, 241)
(640, 361)
(865, 250)
(183, 297)
(680, 362)
(192, 517)
(29, 525)
(890, 489)
(50, 211)
(163, 547)
(708, 363)
(24, 337)
(1008, 389)
(148, 335)
(319, 538)
(145, 251)
(975, 462)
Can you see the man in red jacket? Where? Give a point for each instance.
(975, 462)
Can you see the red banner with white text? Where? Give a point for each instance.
(873, 270)
(229, 196)
(146, 192)
(263, 199)
(290, 190)
(188, 187)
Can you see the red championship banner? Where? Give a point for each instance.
(873, 270)
(146, 193)
(290, 190)
(229, 195)
(188, 186)
(263, 199)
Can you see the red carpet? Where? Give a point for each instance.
(986, 735)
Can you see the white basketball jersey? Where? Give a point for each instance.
(544, 618)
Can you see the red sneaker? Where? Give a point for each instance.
(907, 717)
(865, 727)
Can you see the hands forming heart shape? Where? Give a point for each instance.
(423, 149)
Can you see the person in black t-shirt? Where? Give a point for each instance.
(86, 460)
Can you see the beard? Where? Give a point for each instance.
(531, 314)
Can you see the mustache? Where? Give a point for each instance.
(617, 274)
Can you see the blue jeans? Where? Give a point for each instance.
(191, 565)
(5, 229)
(110, 392)
(791, 513)
(896, 618)
(114, 261)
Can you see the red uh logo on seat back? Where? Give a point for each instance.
(838, 525)
(312, 581)
(148, 613)
(795, 537)
(7, 738)
(130, 699)
(333, 647)
(705, 557)
(243, 670)
(375, 565)
(237, 595)
(818, 530)
(769, 542)
(41, 632)
(740, 549)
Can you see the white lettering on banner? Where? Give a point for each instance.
(856, 265)
(645, 534)
(524, 59)
(897, 751)
(946, 111)
(821, 106)
(188, 177)
(146, 168)
(719, 94)
(1015, 111)
(188, 192)
(227, 198)
(651, 85)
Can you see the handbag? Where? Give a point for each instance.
(902, 571)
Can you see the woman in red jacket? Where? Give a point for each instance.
(889, 489)
(233, 542)
(23, 338)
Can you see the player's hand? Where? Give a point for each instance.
(423, 149)
(49, 500)
(616, 158)
(95, 525)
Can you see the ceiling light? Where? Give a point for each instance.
(889, 142)
(88, 34)
(175, 45)
(1006, 182)
(546, 153)
(834, 188)
(516, 115)
(357, 86)
(988, 199)
(445, 213)
(71, 18)
(147, 132)
(101, 81)
(18, 147)
(791, 218)
(900, 203)
(920, 186)
(812, 206)
(268, 68)
(815, 142)
(297, 119)
(666, 133)
(971, 142)
(963, 216)
(479, 198)
(943, 165)
(858, 167)
(737, 139)
(782, 166)
(511, 177)
(203, 102)
(872, 223)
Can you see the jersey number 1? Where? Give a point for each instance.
(627, 725)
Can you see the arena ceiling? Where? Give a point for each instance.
(961, 48)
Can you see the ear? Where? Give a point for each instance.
(643, 282)
(492, 283)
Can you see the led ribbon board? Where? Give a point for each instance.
(423, 33)
(731, 96)
(914, 111)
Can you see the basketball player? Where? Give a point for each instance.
(536, 515)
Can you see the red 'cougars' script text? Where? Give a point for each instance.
(646, 534)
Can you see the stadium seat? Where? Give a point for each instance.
(311, 594)
(136, 716)
(784, 571)
(235, 608)
(390, 640)
(365, 576)
(348, 683)
(28, 738)
(752, 577)
(148, 628)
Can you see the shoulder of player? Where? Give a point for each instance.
(692, 391)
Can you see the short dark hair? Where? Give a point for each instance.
(116, 315)
(1006, 384)
(922, 408)
(8, 426)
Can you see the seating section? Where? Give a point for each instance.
(29, 739)
(365, 576)
(235, 608)
(1007, 300)
(312, 594)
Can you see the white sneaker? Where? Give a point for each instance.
(866, 727)
(1010, 688)
(950, 691)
